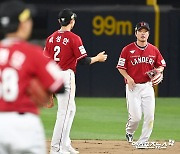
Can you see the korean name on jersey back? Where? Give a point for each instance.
(66, 48)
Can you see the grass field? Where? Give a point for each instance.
(105, 118)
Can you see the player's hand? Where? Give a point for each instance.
(50, 104)
(102, 56)
(131, 84)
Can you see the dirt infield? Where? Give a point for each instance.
(119, 147)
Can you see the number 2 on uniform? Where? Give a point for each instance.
(57, 50)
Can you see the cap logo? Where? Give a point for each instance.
(142, 23)
(62, 19)
(24, 15)
(5, 21)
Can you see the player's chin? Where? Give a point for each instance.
(143, 40)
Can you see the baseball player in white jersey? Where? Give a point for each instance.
(136, 59)
(66, 48)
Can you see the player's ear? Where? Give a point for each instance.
(135, 32)
(71, 21)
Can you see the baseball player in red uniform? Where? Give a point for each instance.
(135, 60)
(66, 48)
(21, 130)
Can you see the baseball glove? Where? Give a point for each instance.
(38, 93)
(155, 76)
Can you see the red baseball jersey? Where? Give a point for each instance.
(66, 48)
(19, 63)
(137, 61)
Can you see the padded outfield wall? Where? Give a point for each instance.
(110, 28)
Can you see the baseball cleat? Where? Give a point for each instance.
(72, 150)
(60, 152)
(142, 145)
(129, 137)
(64, 152)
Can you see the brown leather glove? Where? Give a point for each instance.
(50, 103)
(155, 76)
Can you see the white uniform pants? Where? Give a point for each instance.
(21, 134)
(65, 114)
(140, 100)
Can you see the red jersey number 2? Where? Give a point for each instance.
(57, 50)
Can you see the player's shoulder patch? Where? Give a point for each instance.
(121, 62)
(82, 49)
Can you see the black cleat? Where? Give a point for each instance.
(129, 137)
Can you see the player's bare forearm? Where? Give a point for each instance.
(130, 81)
(101, 57)
(50, 103)
(124, 74)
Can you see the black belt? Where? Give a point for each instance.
(142, 83)
(21, 113)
